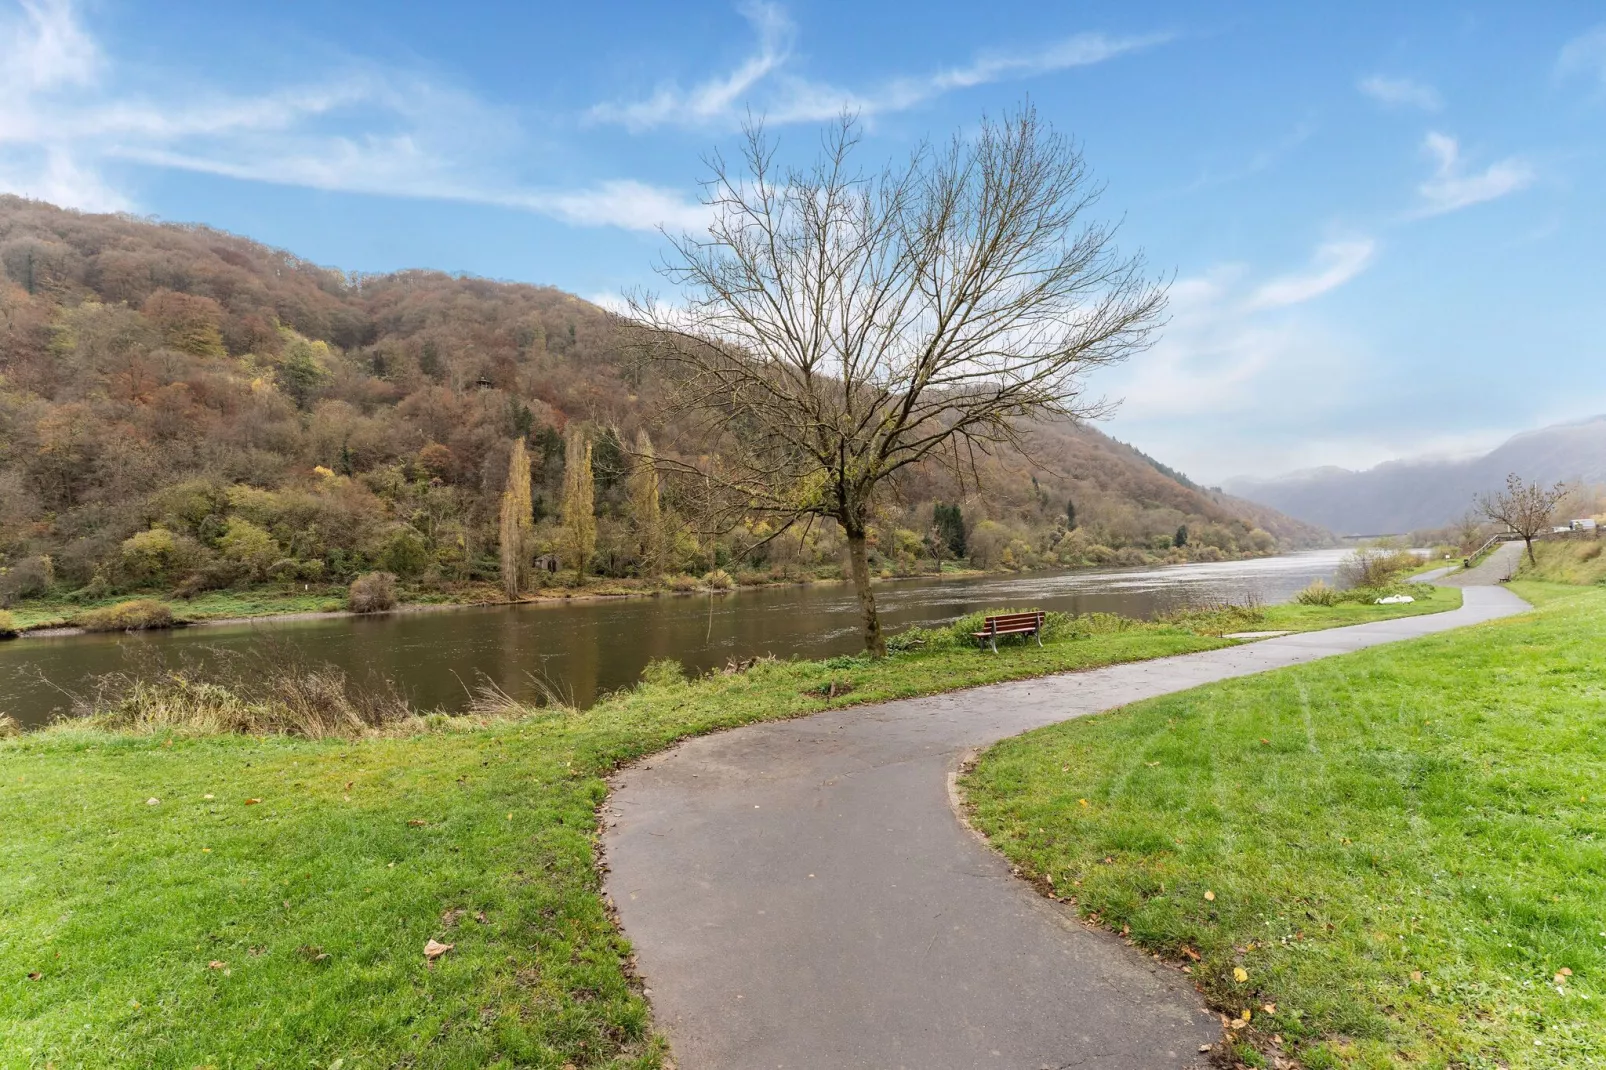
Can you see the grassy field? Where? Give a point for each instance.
(272, 906)
(1575, 561)
(1400, 849)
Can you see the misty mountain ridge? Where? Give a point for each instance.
(1427, 492)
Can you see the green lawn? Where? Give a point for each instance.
(1297, 618)
(316, 901)
(1400, 848)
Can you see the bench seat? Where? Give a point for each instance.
(1006, 624)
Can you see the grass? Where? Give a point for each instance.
(1576, 561)
(312, 872)
(1400, 848)
(1297, 618)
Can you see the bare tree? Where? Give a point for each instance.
(1524, 508)
(838, 328)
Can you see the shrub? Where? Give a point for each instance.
(680, 582)
(137, 615)
(1374, 568)
(372, 592)
(1319, 593)
(719, 580)
(8, 625)
(9, 726)
(32, 577)
(663, 672)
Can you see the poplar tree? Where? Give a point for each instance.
(645, 508)
(516, 523)
(579, 505)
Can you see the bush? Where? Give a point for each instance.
(9, 726)
(373, 592)
(663, 672)
(679, 582)
(1374, 568)
(8, 625)
(1319, 593)
(719, 580)
(32, 577)
(141, 614)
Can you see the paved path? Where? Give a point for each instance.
(1498, 567)
(800, 894)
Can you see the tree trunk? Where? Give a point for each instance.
(1532, 560)
(859, 563)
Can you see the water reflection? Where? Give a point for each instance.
(588, 648)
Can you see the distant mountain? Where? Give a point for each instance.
(1407, 495)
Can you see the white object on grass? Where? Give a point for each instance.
(1394, 600)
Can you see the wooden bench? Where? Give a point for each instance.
(1021, 624)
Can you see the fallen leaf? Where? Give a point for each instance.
(1239, 974)
(252, 802)
(1269, 1008)
(153, 802)
(1211, 896)
(349, 783)
(418, 822)
(1265, 742)
(1416, 975)
(1560, 979)
(435, 949)
(208, 796)
(1190, 952)
(216, 965)
(1082, 801)
(1565, 971)
(479, 916)
(35, 975)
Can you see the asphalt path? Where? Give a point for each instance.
(802, 894)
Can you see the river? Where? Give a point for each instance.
(587, 648)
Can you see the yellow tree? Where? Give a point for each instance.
(645, 508)
(516, 522)
(579, 538)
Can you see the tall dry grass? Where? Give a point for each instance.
(270, 691)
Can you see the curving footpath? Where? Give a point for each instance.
(801, 895)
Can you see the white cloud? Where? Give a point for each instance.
(1451, 188)
(1335, 263)
(1401, 93)
(763, 83)
(1243, 361)
(1585, 56)
(71, 120)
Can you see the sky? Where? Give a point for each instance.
(1384, 224)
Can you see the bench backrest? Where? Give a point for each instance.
(1013, 622)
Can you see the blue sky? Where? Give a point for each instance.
(1386, 222)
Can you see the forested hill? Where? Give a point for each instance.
(181, 407)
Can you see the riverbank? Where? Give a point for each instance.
(55, 616)
(1379, 859)
(275, 899)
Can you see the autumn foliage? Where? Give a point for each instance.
(184, 410)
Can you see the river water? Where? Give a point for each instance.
(586, 648)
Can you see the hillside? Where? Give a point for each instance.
(1414, 494)
(183, 409)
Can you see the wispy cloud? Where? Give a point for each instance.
(1401, 93)
(764, 84)
(1334, 264)
(1452, 188)
(72, 122)
(1585, 56)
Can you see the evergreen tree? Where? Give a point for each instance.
(1070, 515)
(1182, 537)
(950, 521)
(579, 540)
(645, 509)
(516, 523)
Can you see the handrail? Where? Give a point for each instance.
(1504, 536)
